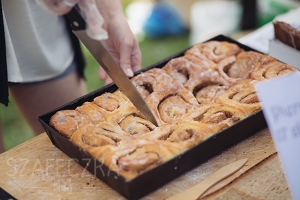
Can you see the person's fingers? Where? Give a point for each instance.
(59, 7)
(129, 59)
(136, 57)
(125, 57)
(93, 18)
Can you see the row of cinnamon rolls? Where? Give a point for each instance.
(192, 97)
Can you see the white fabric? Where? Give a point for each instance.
(37, 43)
(88, 10)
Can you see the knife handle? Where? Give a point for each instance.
(75, 19)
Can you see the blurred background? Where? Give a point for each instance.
(164, 28)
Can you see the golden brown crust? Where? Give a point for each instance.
(241, 95)
(214, 50)
(183, 70)
(91, 111)
(67, 122)
(169, 99)
(271, 70)
(104, 133)
(206, 86)
(135, 125)
(192, 97)
(145, 83)
(112, 101)
(190, 133)
(217, 115)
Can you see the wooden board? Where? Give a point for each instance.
(38, 170)
(263, 181)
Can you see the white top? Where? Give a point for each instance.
(37, 43)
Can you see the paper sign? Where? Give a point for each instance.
(280, 98)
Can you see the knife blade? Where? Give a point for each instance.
(199, 189)
(107, 62)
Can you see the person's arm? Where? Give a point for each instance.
(121, 42)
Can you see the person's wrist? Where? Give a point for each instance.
(110, 9)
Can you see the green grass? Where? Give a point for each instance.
(15, 130)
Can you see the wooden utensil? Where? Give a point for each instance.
(197, 190)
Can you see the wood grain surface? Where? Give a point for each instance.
(38, 170)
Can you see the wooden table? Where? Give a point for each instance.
(38, 170)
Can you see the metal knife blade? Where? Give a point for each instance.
(116, 73)
(107, 62)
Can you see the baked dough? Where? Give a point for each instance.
(214, 50)
(67, 122)
(193, 97)
(241, 95)
(271, 70)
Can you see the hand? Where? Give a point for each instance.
(121, 43)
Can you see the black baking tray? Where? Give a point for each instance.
(157, 177)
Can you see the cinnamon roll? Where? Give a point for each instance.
(219, 116)
(214, 50)
(182, 70)
(234, 68)
(164, 82)
(67, 122)
(90, 136)
(145, 83)
(169, 107)
(241, 95)
(169, 100)
(119, 108)
(159, 133)
(207, 86)
(111, 102)
(136, 125)
(153, 80)
(200, 60)
(271, 70)
(190, 133)
(91, 111)
(138, 156)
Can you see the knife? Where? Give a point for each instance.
(107, 62)
(199, 189)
